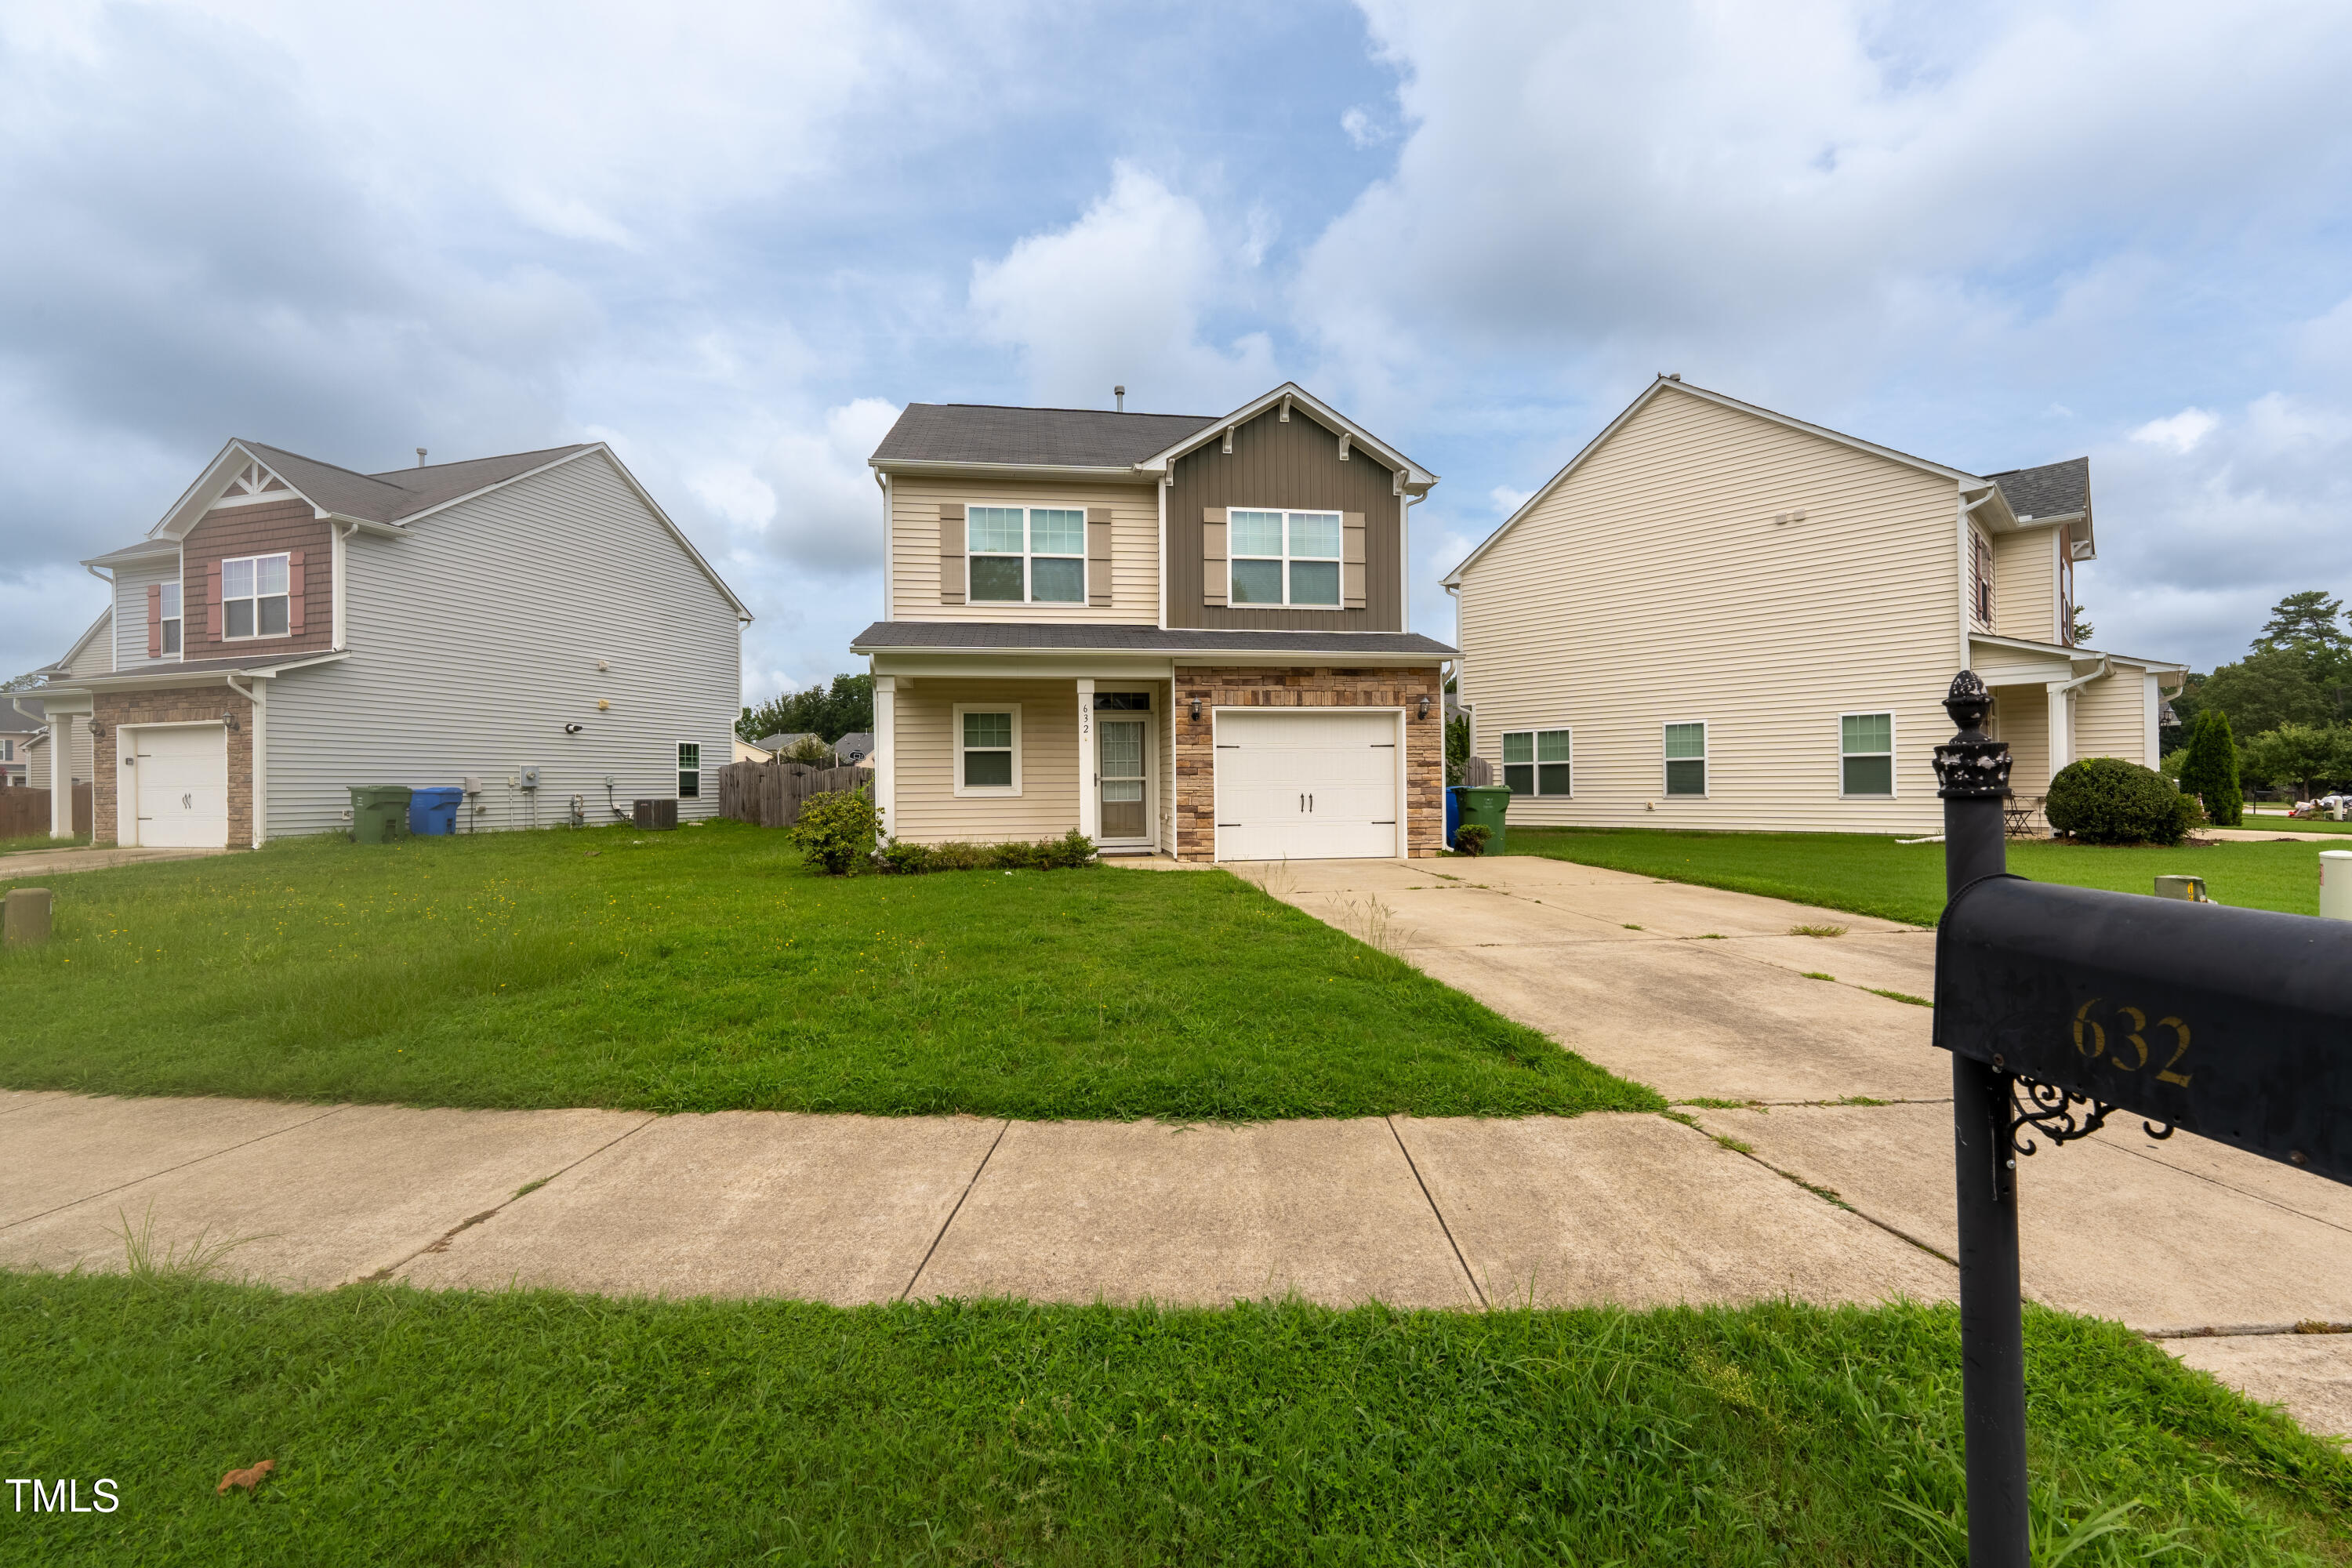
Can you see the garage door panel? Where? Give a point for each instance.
(181, 787)
(1306, 786)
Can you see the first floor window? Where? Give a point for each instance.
(1686, 759)
(168, 605)
(987, 743)
(1027, 555)
(1866, 754)
(253, 596)
(689, 770)
(1284, 558)
(1535, 762)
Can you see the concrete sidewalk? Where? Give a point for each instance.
(27, 865)
(1711, 997)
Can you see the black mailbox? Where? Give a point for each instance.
(2233, 1023)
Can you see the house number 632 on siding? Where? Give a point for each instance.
(2091, 1039)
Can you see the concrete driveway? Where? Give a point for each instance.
(1780, 1044)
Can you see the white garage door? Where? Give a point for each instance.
(1306, 786)
(183, 788)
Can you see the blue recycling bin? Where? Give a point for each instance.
(434, 811)
(1453, 813)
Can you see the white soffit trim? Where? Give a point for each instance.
(1064, 473)
(1290, 395)
(198, 497)
(1971, 483)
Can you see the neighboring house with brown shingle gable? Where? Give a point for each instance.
(1719, 616)
(534, 622)
(1175, 633)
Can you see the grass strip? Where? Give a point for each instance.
(1865, 874)
(529, 1428)
(709, 969)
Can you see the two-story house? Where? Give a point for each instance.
(1183, 634)
(1718, 617)
(531, 625)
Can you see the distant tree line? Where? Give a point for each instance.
(845, 708)
(2282, 714)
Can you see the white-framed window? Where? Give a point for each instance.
(7, 751)
(168, 613)
(1026, 555)
(1980, 578)
(1686, 758)
(1282, 558)
(987, 748)
(1866, 754)
(689, 770)
(1538, 762)
(253, 596)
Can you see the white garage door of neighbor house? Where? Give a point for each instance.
(1306, 786)
(183, 788)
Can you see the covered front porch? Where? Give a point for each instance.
(2056, 704)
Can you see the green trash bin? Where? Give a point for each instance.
(379, 813)
(1484, 804)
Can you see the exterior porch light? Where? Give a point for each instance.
(1424, 704)
(230, 720)
(1196, 711)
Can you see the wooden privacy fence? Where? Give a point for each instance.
(770, 795)
(24, 812)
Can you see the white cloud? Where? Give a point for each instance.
(825, 512)
(2181, 432)
(1508, 500)
(1362, 130)
(1117, 298)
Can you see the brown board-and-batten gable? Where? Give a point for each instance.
(1284, 463)
(291, 528)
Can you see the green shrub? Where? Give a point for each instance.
(2211, 770)
(836, 830)
(1072, 849)
(808, 750)
(2106, 800)
(1471, 837)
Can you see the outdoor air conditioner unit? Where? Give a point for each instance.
(655, 814)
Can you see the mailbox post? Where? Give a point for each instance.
(1972, 777)
(2061, 1007)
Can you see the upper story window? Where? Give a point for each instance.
(1980, 578)
(8, 750)
(167, 616)
(253, 596)
(1027, 554)
(1286, 558)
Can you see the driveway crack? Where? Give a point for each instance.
(1002, 1130)
(1431, 1198)
(208, 1154)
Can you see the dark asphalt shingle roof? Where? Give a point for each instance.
(2054, 490)
(189, 666)
(1139, 639)
(1055, 437)
(398, 492)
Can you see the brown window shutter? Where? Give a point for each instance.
(155, 620)
(294, 593)
(1214, 581)
(1098, 555)
(951, 566)
(1351, 561)
(215, 621)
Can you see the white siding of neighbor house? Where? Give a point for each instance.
(475, 640)
(928, 811)
(1653, 587)
(2025, 585)
(130, 585)
(915, 549)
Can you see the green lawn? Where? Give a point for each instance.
(540, 1428)
(709, 969)
(1873, 875)
(2272, 817)
(32, 841)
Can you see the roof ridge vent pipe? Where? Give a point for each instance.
(1120, 394)
(420, 457)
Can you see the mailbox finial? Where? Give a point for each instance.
(1968, 766)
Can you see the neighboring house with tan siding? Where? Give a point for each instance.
(91, 654)
(1718, 617)
(1177, 635)
(530, 624)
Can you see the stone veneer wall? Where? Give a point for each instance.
(177, 705)
(1424, 804)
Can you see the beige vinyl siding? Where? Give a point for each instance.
(2022, 717)
(1653, 587)
(915, 549)
(2111, 717)
(928, 810)
(2025, 585)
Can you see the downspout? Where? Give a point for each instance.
(882, 480)
(1966, 545)
(113, 645)
(1461, 673)
(257, 750)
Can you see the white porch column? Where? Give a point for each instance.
(61, 776)
(1089, 791)
(885, 751)
(2061, 697)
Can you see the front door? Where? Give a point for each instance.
(1122, 759)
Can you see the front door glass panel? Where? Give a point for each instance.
(1119, 758)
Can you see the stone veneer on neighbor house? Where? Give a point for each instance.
(1196, 813)
(187, 704)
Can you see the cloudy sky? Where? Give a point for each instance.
(734, 239)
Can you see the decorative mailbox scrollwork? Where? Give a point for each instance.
(2053, 1112)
